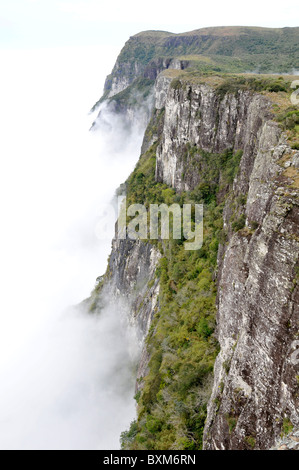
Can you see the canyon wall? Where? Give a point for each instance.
(255, 389)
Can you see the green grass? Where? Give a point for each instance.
(266, 48)
(254, 83)
(250, 441)
(287, 427)
(232, 423)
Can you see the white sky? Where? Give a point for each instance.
(39, 23)
(55, 176)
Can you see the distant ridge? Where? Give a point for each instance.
(217, 49)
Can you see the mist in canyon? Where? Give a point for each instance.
(66, 376)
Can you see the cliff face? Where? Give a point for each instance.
(124, 73)
(199, 116)
(218, 141)
(131, 276)
(255, 382)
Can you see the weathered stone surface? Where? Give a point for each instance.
(131, 267)
(289, 442)
(197, 115)
(161, 90)
(124, 73)
(255, 383)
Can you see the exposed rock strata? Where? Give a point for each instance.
(198, 116)
(255, 385)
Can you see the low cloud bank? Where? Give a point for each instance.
(66, 377)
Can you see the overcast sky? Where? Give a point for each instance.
(51, 23)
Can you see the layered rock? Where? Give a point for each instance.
(131, 274)
(256, 381)
(199, 116)
(147, 53)
(256, 384)
(124, 73)
(289, 442)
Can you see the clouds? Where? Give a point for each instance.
(73, 389)
(159, 13)
(58, 375)
(74, 22)
(52, 178)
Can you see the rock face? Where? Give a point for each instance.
(290, 442)
(137, 105)
(131, 269)
(199, 116)
(255, 383)
(256, 387)
(130, 285)
(124, 73)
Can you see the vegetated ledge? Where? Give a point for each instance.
(277, 88)
(133, 95)
(234, 82)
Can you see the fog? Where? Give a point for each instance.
(64, 382)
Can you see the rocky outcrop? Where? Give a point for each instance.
(255, 380)
(199, 116)
(130, 286)
(124, 73)
(147, 53)
(256, 383)
(131, 274)
(129, 91)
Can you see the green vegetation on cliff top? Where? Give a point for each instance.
(231, 49)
